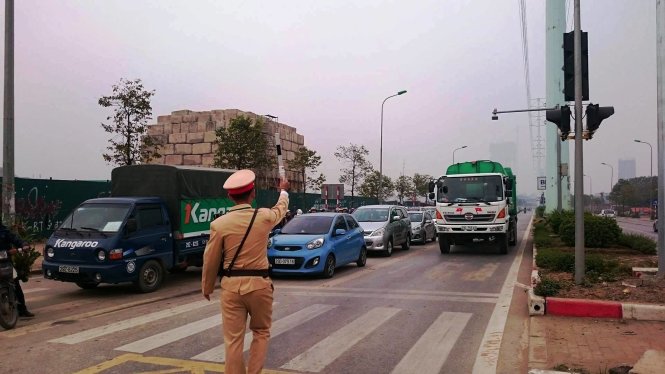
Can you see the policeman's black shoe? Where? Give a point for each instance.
(25, 313)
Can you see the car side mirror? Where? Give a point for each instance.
(431, 196)
(274, 232)
(131, 226)
(428, 221)
(340, 232)
(395, 218)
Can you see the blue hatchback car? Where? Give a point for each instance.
(317, 243)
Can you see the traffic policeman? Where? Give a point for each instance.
(246, 286)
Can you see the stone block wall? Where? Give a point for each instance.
(188, 138)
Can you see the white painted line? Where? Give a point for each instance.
(167, 337)
(329, 349)
(217, 354)
(393, 290)
(31, 290)
(129, 323)
(391, 296)
(488, 353)
(432, 349)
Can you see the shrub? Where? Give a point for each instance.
(555, 260)
(599, 232)
(548, 287)
(540, 211)
(638, 243)
(541, 236)
(556, 218)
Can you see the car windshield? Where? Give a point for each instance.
(415, 217)
(307, 225)
(471, 189)
(371, 214)
(96, 217)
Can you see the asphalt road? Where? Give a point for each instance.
(416, 312)
(638, 226)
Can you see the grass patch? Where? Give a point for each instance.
(555, 260)
(541, 236)
(639, 243)
(548, 287)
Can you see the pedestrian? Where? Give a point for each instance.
(8, 240)
(238, 242)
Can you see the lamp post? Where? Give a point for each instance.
(455, 150)
(650, 179)
(381, 145)
(611, 177)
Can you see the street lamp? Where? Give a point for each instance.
(381, 145)
(650, 179)
(611, 176)
(456, 149)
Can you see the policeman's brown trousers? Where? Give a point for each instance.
(235, 308)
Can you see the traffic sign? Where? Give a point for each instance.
(542, 183)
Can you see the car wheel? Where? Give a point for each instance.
(407, 244)
(362, 258)
(151, 276)
(444, 245)
(434, 236)
(87, 285)
(329, 268)
(389, 248)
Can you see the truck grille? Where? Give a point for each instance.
(475, 218)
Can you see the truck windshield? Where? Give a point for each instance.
(470, 189)
(96, 217)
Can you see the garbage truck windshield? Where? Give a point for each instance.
(96, 217)
(470, 189)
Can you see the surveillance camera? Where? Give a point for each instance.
(495, 117)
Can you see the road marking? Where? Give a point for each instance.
(129, 323)
(180, 366)
(395, 296)
(217, 354)
(167, 337)
(488, 353)
(432, 349)
(393, 290)
(329, 349)
(31, 290)
(484, 273)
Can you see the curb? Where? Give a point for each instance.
(564, 307)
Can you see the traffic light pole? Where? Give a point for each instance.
(579, 161)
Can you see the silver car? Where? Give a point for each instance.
(422, 226)
(384, 226)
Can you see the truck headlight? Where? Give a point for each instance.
(314, 244)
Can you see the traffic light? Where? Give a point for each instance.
(595, 114)
(569, 66)
(561, 118)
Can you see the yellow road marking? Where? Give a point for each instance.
(186, 366)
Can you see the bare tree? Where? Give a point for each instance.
(357, 166)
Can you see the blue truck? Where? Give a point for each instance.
(157, 219)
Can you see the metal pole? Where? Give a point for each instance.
(660, 69)
(559, 203)
(381, 146)
(579, 162)
(455, 150)
(8, 120)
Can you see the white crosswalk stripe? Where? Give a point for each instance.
(431, 351)
(129, 323)
(280, 326)
(329, 349)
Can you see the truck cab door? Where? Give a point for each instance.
(152, 235)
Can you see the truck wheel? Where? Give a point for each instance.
(407, 243)
(444, 245)
(87, 285)
(513, 234)
(503, 244)
(150, 276)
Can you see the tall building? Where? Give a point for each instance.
(627, 169)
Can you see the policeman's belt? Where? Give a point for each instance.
(246, 273)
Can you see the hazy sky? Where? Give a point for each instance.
(324, 67)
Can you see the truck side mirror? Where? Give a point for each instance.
(431, 195)
(131, 225)
(430, 187)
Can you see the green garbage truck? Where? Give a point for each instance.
(476, 203)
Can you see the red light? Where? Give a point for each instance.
(502, 213)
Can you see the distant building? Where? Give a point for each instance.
(627, 169)
(505, 153)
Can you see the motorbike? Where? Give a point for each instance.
(8, 302)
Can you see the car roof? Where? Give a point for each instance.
(322, 214)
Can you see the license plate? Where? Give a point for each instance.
(285, 261)
(68, 269)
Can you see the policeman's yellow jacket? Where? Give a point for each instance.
(226, 233)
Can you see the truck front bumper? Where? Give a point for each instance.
(471, 229)
(114, 272)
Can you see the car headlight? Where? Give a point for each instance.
(415, 228)
(314, 244)
(50, 252)
(378, 232)
(270, 241)
(101, 255)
